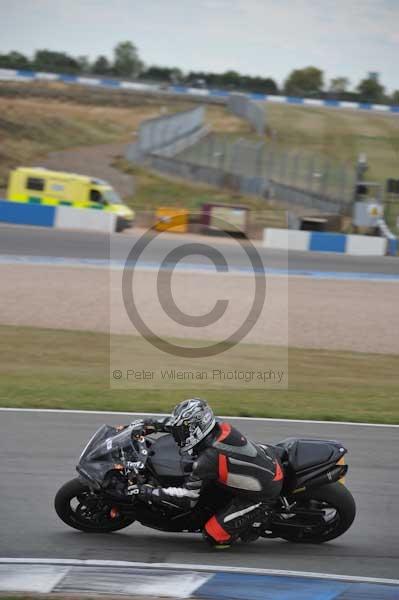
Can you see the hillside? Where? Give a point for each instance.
(43, 117)
(54, 116)
(340, 134)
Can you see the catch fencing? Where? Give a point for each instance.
(245, 108)
(297, 177)
(182, 145)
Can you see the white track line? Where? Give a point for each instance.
(144, 414)
(188, 567)
(197, 269)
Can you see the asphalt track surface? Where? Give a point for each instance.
(37, 241)
(39, 452)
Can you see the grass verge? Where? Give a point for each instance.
(154, 190)
(43, 368)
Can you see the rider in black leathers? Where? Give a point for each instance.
(252, 472)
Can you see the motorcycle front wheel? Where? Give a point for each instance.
(325, 513)
(81, 508)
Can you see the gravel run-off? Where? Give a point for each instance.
(358, 316)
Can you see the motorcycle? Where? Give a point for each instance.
(314, 505)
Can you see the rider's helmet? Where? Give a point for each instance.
(190, 422)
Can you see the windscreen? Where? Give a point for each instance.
(111, 196)
(105, 449)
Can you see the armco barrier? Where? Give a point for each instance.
(356, 245)
(168, 135)
(163, 131)
(59, 217)
(244, 107)
(198, 94)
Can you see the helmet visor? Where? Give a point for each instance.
(181, 433)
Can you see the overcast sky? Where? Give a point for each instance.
(257, 37)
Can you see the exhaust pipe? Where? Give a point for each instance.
(329, 477)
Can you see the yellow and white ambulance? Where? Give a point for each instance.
(33, 185)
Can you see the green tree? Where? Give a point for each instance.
(127, 62)
(14, 60)
(84, 64)
(58, 62)
(339, 85)
(371, 90)
(304, 82)
(163, 74)
(101, 66)
(176, 75)
(395, 97)
(231, 79)
(259, 84)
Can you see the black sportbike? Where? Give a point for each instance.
(314, 506)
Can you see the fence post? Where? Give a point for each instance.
(234, 156)
(259, 159)
(324, 178)
(203, 150)
(302, 172)
(271, 161)
(283, 166)
(294, 170)
(213, 151)
(310, 173)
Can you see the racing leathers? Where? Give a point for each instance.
(251, 472)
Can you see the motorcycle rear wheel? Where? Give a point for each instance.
(333, 497)
(80, 508)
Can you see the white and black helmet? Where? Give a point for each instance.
(190, 422)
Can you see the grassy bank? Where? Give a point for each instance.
(30, 128)
(340, 134)
(55, 115)
(38, 118)
(66, 369)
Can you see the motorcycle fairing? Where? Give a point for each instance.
(103, 451)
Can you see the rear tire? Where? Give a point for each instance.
(76, 491)
(336, 496)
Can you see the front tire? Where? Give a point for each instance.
(332, 497)
(80, 508)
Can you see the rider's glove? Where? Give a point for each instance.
(144, 427)
(146, 493)
(153, 426)
(149, 426)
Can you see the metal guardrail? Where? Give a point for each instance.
(163, 131)
(168, 135)
(245, 108)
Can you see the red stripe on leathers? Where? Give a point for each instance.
(279, 473)
(225, 430)
(223, 470)
(216, 531)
